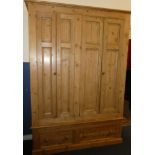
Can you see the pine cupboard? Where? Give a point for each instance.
(78, 58)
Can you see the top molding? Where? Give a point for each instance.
(75, 6)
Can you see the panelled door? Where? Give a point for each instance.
(65, 65)
(46, 64)
(111, 88)
(92, 32)
(68, 65)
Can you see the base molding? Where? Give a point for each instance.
(72, 137)
(27, 137)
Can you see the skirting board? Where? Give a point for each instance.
(27, 137)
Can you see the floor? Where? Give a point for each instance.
(119, 149)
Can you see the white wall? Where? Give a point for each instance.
(111, 4)
(25, 35)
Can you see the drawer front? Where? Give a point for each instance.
(56, 138)
(99, 132)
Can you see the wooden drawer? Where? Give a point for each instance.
(76, 136)
(56, 138)
(99, 132)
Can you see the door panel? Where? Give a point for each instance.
(46, 64)
(108, 92)
(91, 80)
(113, 33)
(90, 65)
(65, 65)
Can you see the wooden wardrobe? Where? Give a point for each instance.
(78, 58)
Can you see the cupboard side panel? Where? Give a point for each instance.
(33, 65)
